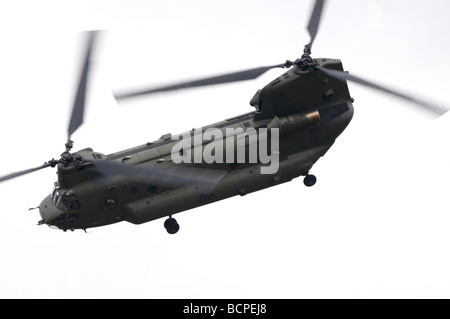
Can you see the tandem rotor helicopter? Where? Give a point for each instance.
(301, 113)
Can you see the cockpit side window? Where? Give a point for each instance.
(74, 205)
(66, 201)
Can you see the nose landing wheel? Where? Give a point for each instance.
(171, 225)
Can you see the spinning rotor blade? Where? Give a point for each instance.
(251, 74)
(225, 78)
(76, 118)
(314, 21)
(343, 76)
(24, 172)
(169, 175)
(78, 107)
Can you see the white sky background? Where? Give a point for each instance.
(376, 224)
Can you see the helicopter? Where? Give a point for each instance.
(301, 113)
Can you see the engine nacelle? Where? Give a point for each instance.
(294, 122)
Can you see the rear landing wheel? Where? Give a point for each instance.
(171, 225)
(309, 180)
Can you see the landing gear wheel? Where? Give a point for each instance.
(309, 180)
(171, 225)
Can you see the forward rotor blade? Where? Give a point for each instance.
(76, 118)
(225, 78)
(171, 175)
(24, 172)
(314, 21)
(343, 76)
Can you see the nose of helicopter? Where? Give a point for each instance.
(49, 212)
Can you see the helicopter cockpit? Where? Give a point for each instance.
(60, 209)
(67, 201)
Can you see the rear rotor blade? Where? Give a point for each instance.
(343, 76)
(314, 21)
(24, 172)
(225, 78)
(76, 118)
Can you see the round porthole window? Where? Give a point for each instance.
(152, 189)
(110, 203)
